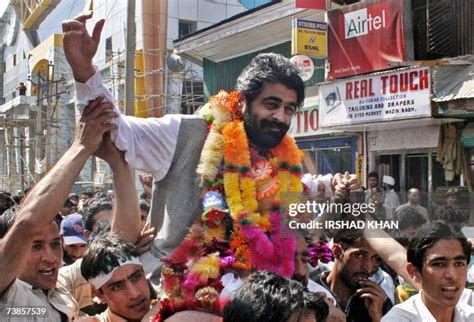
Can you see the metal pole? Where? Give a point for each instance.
(130, 59)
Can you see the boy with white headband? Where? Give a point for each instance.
(112, 267)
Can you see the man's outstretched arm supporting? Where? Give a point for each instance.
(46, 199)
(126, 213)
(149, 143)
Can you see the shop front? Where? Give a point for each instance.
(326, 151)
(393, 112)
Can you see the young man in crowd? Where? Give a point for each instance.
(97, 211)
(438, 260)
(409, 221)
(31, 249)
(113, 269)
(355, 261)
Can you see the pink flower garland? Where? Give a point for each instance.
(275, 252)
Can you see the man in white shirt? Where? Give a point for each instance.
(392, 200)
(437, 259)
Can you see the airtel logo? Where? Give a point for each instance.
(360, 22)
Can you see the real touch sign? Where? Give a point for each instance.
(397, 95)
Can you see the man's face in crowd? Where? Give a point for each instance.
(358, 263)
(410, 232)
(301, 273)
(44, 259)
(268, 117)
(377, 198)
(452, 200)
(75, 251)
(414, 196)
(373, 182)
(127, 293)
(143, 217)
(444, 274)
(104, 215)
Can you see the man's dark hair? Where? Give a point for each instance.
(9, 216)
(93, 209)
(428, 236)
(7, 220)
(144, 206)
(374, 175)
(269, 68)
(88, 192)
(347, 237)
(314, 303)
(265, 297)
(409, 217)
(450, 214)
(6, 201)
(104, 254)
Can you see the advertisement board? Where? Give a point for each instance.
(397, 95)
(309, 38)
(365, 37)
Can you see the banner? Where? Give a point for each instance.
(309, 38)
(311, 4)
(374, 98)
(365, 37)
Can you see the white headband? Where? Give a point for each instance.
(103, 278)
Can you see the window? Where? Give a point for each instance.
(186, 27)
(108, 49)
(192, 97)
(14, 60)
(4, 67)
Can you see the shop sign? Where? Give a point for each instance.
(390, 96)
(311, 4)
(309, 38)
(306, 123)
(365, 37)
(305, 66)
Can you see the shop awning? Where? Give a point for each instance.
(453, 88)
(453, 82)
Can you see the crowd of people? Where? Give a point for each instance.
(208, 239)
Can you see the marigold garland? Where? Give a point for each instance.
(238, 235)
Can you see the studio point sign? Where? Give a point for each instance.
(361, 22)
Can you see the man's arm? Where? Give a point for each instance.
(126, 219)
(45, 200)
(149, 143)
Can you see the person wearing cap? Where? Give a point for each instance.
(74, 239)
(392, 201)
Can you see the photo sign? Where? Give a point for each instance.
(390, 96)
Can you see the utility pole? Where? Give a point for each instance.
(130, 59)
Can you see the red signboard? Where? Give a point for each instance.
(311, 4)
(365, 37)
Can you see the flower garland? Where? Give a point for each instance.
(233, 233)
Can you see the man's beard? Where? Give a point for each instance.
(261, 133)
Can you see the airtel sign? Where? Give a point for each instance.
(361, 22)
(365, 37)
